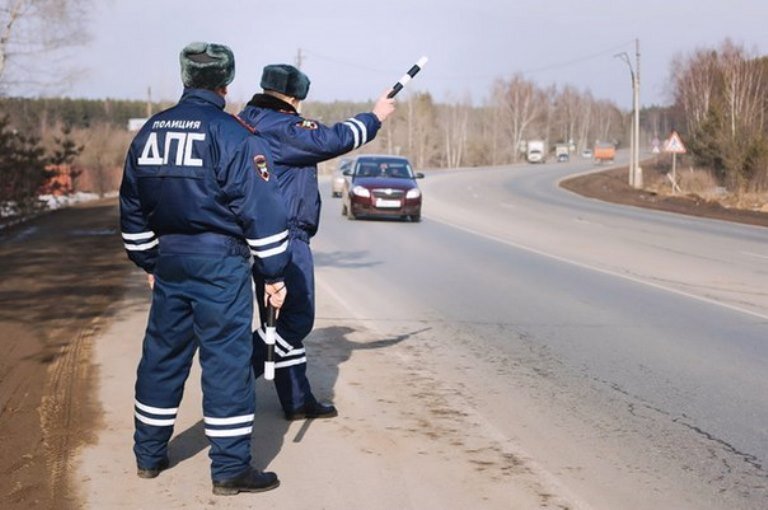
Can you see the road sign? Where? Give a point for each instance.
(674, 144)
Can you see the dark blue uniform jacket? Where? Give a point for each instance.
(298, 145)
(194, 169)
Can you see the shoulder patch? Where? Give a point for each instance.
(261, 167)
(307, 124)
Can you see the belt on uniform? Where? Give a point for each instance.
(204, 243)
(298, 233)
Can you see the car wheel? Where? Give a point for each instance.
(416, 218)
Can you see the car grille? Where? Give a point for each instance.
(388, 193)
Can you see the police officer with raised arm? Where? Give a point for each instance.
(196, 201)
(297, 145)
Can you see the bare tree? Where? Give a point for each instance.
(695, 80)
(520, 103)
(585, 113)
(743, 84)
(722, 94)
(103, 156)
(422, 130)
(30, 29)
(455, 130)
(608, 120)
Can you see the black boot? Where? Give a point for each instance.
(312, 409)
(153, 472)
(251, 480)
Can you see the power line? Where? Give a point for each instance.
(549, 67)
(579, 60)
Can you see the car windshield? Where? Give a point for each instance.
(397, 168)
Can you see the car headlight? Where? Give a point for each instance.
(413, 193)
(361, 192)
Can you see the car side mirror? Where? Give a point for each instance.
(419, 175)
(346, 172)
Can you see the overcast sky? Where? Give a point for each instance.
(354, 49)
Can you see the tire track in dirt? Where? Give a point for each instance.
(59, 275)
(69, 377)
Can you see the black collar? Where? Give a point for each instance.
(271, 103)
(205, 95)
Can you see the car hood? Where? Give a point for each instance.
(384, 182)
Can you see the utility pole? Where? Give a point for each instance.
(299, 58)
(635, 172)
(638, 179)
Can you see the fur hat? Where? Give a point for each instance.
(285, 79)
(207, 65)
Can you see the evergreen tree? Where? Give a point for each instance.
(22, 171)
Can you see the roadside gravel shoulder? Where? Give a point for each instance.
(612, 186)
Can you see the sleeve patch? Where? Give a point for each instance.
(261, 167)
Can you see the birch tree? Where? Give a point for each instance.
(520, 103)
(722, 93)
(455, 131)
(743, 89)
(30, 29)
(694, 81)
(422, 128)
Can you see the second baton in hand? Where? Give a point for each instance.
(407, 77)
(269, 339)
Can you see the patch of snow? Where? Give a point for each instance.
(9, 210)
(57, 202)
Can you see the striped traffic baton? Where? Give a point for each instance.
(407, 77)
(269, 339)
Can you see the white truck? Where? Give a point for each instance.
(562, 152)
(536, 151)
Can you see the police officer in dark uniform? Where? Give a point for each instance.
(298, 145)
(196, 201)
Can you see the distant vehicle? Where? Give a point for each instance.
(604, 152)
(586, 154)
(536, 151)
(337, 184)
(381, 185)
(562, 152)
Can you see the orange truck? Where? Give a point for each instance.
(604, 152)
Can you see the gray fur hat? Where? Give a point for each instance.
(207, 65)
(285, 79)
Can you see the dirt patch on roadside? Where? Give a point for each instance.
(59, 275)
(612, 186)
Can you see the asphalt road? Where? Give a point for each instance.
(623, 349)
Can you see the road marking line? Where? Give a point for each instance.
(600, 270)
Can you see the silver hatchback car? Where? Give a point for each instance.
(337, 184)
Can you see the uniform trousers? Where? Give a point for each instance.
(202, 299)
(294, 323)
